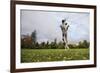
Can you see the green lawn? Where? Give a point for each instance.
(44, 55)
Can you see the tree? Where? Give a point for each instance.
(83, 44)
(48, 45)
(37, 45)
(26, 42)
(72, 46)
(42, 45)
(80, 44)
(34, 37)
(60, 45)
(55, 44)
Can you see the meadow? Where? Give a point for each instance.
(46, 55)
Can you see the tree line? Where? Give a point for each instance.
(30, 42)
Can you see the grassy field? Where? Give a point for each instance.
(44, 55)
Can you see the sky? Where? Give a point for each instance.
(47, 25)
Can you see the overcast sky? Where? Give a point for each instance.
(47, 25)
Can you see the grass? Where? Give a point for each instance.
(45, 55)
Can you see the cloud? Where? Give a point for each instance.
(47, 24)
